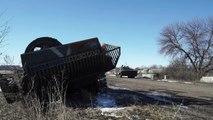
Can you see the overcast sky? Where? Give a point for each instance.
(132, 24)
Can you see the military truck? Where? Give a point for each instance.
(126, 71)
(48, 66)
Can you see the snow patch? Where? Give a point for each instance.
(112, 112)
(117, 88)
(166, 80)
(111, 109)
(172, 81)
(0, 89)
(187, 82)
(105, 100)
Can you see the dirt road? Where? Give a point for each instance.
(190, 100)
(195, 90)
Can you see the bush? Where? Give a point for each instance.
(178, 69)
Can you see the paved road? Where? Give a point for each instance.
(195, 90)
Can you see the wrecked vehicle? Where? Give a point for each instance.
(48, 66)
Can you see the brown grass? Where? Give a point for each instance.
(57, 111)
(31, 109)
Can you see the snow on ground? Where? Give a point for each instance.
(107, 105)
(112, 112)
(105, 100)
(117, 88)
(188, 82)
(166, 80)
(173, 81)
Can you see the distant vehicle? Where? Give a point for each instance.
(126, 71)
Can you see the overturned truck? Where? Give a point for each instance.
(48, 66)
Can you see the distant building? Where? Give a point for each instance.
(151, 73)
(207, 79)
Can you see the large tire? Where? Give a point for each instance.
(42, 43)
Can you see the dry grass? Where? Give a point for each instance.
(57, 111)
(32, 109)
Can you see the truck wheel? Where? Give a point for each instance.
(42, 43)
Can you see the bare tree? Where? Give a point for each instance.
(190, 40)
(8, 60)
(4, 29)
